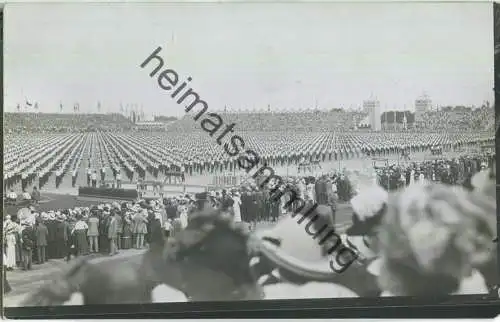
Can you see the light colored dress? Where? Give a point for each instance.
(184, 217)
(237, 209)
(10, 230)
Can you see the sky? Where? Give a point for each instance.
(248, 56)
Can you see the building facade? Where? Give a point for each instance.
(423, 104)
(372, 106)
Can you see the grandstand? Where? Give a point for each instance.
(445, 119)
(59, 122)
(281, 121)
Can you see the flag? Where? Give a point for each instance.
(18, 106)
(28, 104)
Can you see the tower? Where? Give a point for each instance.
(372, 106)
(423, 104)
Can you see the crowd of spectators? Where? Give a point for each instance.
(453, 171)
(32, 236)
(457, 119)
(64, 122)
(444, 119)
(386, 235)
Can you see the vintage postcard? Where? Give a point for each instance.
(194, 152)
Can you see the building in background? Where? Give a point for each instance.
(372, 107)
(397, 120)
(423, 104)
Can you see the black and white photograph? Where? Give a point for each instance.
(194, 152)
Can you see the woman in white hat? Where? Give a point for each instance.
(297, 257)
(369, 207)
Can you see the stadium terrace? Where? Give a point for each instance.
(168, 79)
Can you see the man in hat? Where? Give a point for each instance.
(119, 179)
(42, 234)
(35, 195)
(74, 175)
(24, 180)
(103, 173)
(94, 179)
(112, 233)
(93, 232)
(27, 240)
(89, 175)
(103, 231)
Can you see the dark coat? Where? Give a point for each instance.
(28, 238)
(42, 234)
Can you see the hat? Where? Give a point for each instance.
(26, 218)
(368, 208)
(441, 232)
(294, 239)
(484, 182)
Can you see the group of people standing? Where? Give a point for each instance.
(448, 171)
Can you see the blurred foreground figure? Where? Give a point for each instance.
(428, 239)
(207, 261)
(433, 239)
(303, 257)
(484, 184)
